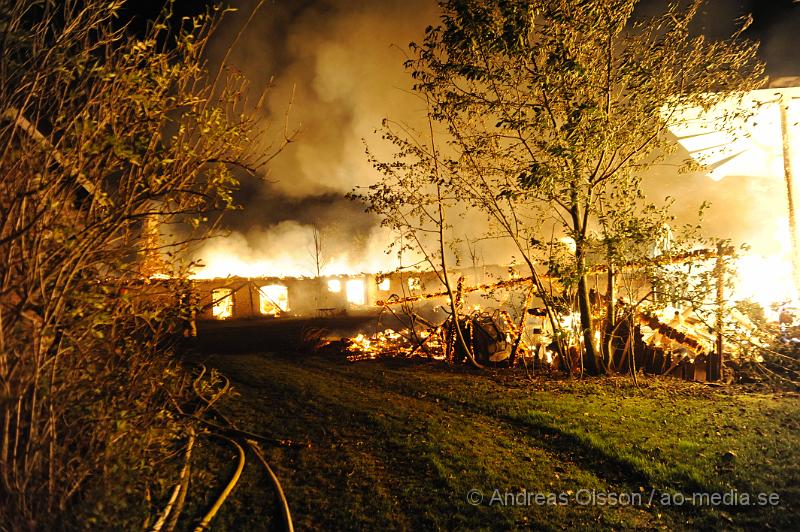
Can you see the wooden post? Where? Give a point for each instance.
(720, 326)
(250, 286)
(787, 170)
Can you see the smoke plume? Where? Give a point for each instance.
(338, 71)
(340, 64)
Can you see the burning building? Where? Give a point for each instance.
(754, 138)
(237, 297)
(252, 297)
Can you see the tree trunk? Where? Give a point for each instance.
(585, 308)
(787, 168)
(610, 321)
(521, 327)
(584, 305)
(719, 271)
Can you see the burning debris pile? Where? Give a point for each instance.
(477, 335)
(647, 336)
(681, 344)
(485, 338)
(389, 342)
(682, 347)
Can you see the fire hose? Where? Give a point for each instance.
(175, 504)
(178, 494)
(225, 492)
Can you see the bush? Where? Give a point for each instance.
(105, 137)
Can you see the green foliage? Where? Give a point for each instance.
(569, 93)
(105, 138)
(552, 111)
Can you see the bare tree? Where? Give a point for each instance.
(318, 251)
(411, 199)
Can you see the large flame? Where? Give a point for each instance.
(739, 137)
(288, 250)
(767, 279)
(751, 135)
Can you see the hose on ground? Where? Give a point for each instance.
(287, 515)
(225, 492)
(175, 504)
(178, 493)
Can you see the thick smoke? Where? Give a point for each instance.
(338, 71)
(343, 60)
(340, 64)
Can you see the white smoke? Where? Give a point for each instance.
(289, 249)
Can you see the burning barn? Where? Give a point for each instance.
(252, 297)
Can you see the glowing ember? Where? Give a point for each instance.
(392, 343)
(369, 347)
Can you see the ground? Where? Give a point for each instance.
(417, 445)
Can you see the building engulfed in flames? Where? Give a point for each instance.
(669, 340)
(250, 297)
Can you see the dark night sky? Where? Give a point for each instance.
(344, 59)
(776, 22)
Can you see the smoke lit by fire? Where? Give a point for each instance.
(343, 63)
(288, 250)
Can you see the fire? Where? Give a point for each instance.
(222, 299)
(219, 263)
(354, 288)
(369, 347)
(767, 279)
(334, 286)
(390, 343)
(288, 250)
(273, 299)
(739, 137)
(756, 135)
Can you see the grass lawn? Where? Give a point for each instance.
(399, 445)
